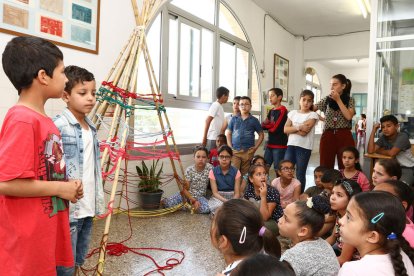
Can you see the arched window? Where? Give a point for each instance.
(313, 84)
(195, 47)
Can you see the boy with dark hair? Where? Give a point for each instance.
(395, 144)
(215, 122)
(82, 159)
(240, 136)
(274, 124)
(34, 228)
(329, 179)
(236, 110)
(318, 188)
(213, 156)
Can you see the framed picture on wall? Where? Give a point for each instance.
(73, 24)
(281, 75)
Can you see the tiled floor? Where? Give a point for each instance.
(179, 231)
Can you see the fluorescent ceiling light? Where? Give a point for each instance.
(362, 8)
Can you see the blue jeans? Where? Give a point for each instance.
(80, 232)
(300, 157)
(274, 156)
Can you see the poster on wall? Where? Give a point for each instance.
(281, 75)
(406, 93)
(73, 24)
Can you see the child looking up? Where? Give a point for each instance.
(266, 197)
(395, 144)
(237, 231)
(374, 224)
(300, 127)
(196, 188)
(318, 188)
(287, 186)
(406, 194)
(34, 228)
(256, 160)
(224, 179)
(352, 168)
(342, 193)
(274, 124)
(385, 169)
(213, 157)
(82, 159)
(301, 222)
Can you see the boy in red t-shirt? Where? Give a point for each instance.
(221, 140)
(34, 228)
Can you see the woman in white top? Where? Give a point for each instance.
(300, 127)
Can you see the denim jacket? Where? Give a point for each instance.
(71, 132)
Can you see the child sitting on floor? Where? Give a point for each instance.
(301, 222)
(406, 194)
(195, 190)
(265, 196)
(386, 169)
(352, 168)
(374, 224)
(287, 186)
(256, 160)
(318, 188)
(237, 231)
(342, 193)
(213, 157)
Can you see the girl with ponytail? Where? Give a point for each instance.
(374, 224)
(339, 109)
(238, 231)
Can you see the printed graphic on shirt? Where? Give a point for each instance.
(52, 168)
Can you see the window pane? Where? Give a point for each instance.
(200, 8)
(146, 126)
(172, 57)
(242, 73)
(206, 65)
(154, 47)
(228, 23)
(256, 102)
(227, 67)
(189, 61)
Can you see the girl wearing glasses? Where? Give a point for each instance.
(287, 186)
(224, 179)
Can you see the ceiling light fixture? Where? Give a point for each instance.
(362, 8)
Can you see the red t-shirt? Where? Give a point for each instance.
(34, 232)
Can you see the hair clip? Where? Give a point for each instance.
(392, 236)
(309, 202)
(377, 218)
(262, 231)
(243, 235)
(348, 187)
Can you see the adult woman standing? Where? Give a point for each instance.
(338, 107)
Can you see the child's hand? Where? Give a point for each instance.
(71, 190)
(196, 205)
(376, 126)
(263, 190)
(305, 128)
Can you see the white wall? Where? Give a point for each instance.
(113, 35)
(337, 47)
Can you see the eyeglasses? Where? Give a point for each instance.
(287, 169)
(224, 157)
(244, 105)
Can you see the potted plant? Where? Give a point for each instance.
(149, 185)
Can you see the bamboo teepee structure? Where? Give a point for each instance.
(118, 94)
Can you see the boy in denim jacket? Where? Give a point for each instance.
(81, 148)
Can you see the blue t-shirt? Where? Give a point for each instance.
(242, 131)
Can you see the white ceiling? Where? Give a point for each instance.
(316, 17)
(346, 63)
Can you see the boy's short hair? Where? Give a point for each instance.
(363, 116)
(25, 56)
(321, 169)
(246, 98)
(237, 98)
(75, 75)
(389, 118)
(331, 176)
(222, 91)
(278, 92)
(222, 136)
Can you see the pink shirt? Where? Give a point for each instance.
(360, 178)
(408, 233)
(286, 194)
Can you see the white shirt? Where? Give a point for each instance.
(216, 111)
(297, 119)
(87, 203)
(374, 265)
